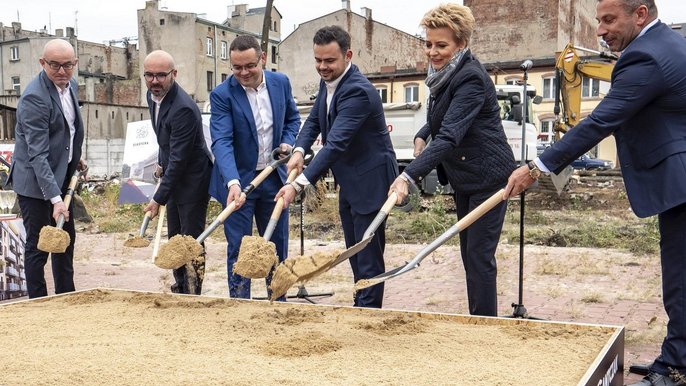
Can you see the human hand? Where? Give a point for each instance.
(288, 193)
(235, 195)
(401, 187)
(152, 207)
(285, 150)
(58, 209)
(419, 145)
(518, 182)
(296, 162)
(158, 171)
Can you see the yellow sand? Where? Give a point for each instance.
(136, 242)
(53, 240)
(299, 269)
(256, 257)
(178, 251)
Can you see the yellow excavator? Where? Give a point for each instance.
(570, 69)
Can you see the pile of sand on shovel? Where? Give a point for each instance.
(178, 251)
(53, 240)
(136, 242)
(256, 257)
(299, 269)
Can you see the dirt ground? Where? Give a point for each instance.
(560, 284)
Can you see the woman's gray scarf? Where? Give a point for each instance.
(437, 79)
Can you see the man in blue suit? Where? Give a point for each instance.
(348, 115)
(253, 113)
(645, 111)
(49, 135)
(184, 159)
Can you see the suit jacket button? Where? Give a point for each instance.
(66, 148)
(463, 158)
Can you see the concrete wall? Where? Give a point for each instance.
(374, 45)
(104, 156)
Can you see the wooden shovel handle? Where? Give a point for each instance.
(158, 235)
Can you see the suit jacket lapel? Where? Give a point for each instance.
(323, 114)
(278, 104)
(238, 93)
(52, 89)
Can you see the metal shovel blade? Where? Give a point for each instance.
(447, 235)
(369, 233)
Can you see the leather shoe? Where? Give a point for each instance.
(655, 379)
(640, 369)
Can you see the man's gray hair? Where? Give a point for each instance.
(631, 5)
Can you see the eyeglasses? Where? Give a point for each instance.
(55, 66)
(160, 76)
(249, 66)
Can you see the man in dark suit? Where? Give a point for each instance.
(253, 113)
(184, 159)
(348, 115)
(645, 111)
(49, 134)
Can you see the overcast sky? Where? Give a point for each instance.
(98, 21)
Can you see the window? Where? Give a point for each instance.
(16, 85)
(590, 88)
(224, 76)
(513, 80)
(210, 80)
(273, 54)
(210, 47)
(275, 30)
(411, 93)
(161, 21)
(383, 93)
(549, 89)
(546, 135)
(224, 50)
(14, 53)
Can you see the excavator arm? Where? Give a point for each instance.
(570, 69)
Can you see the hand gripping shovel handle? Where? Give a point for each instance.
(68, 196)
(447, 235)
(278, 208)
(253, 184)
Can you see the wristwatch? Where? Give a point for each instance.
(298, 188)
(534, 171)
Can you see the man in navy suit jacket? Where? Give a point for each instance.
(645, 111)
(253, 113)
(184, 159)
(348, 115)
(49, 134)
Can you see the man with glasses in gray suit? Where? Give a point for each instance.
(49, 134)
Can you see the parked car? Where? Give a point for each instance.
(585, 162)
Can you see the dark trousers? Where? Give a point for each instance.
(368, 262)
(477, 245)
(188, 219)
(673, 256)
(259, 205)
(36, 214)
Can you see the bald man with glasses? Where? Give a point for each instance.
(184, 159)
(49, 134)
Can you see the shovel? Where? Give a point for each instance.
(54, 239)
(182, 249)
(369, 233)
(139, 240)
(158, 233)
(452, 231)
(257, 255)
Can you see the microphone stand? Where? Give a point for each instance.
(519, 311)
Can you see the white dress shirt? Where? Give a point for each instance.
(69, 111)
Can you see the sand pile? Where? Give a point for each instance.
(256, 257)
(136, 242)
(53, 240)
(299, 269)
(178, 251)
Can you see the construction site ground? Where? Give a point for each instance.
(570, 284)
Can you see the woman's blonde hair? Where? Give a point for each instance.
(454, 16)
